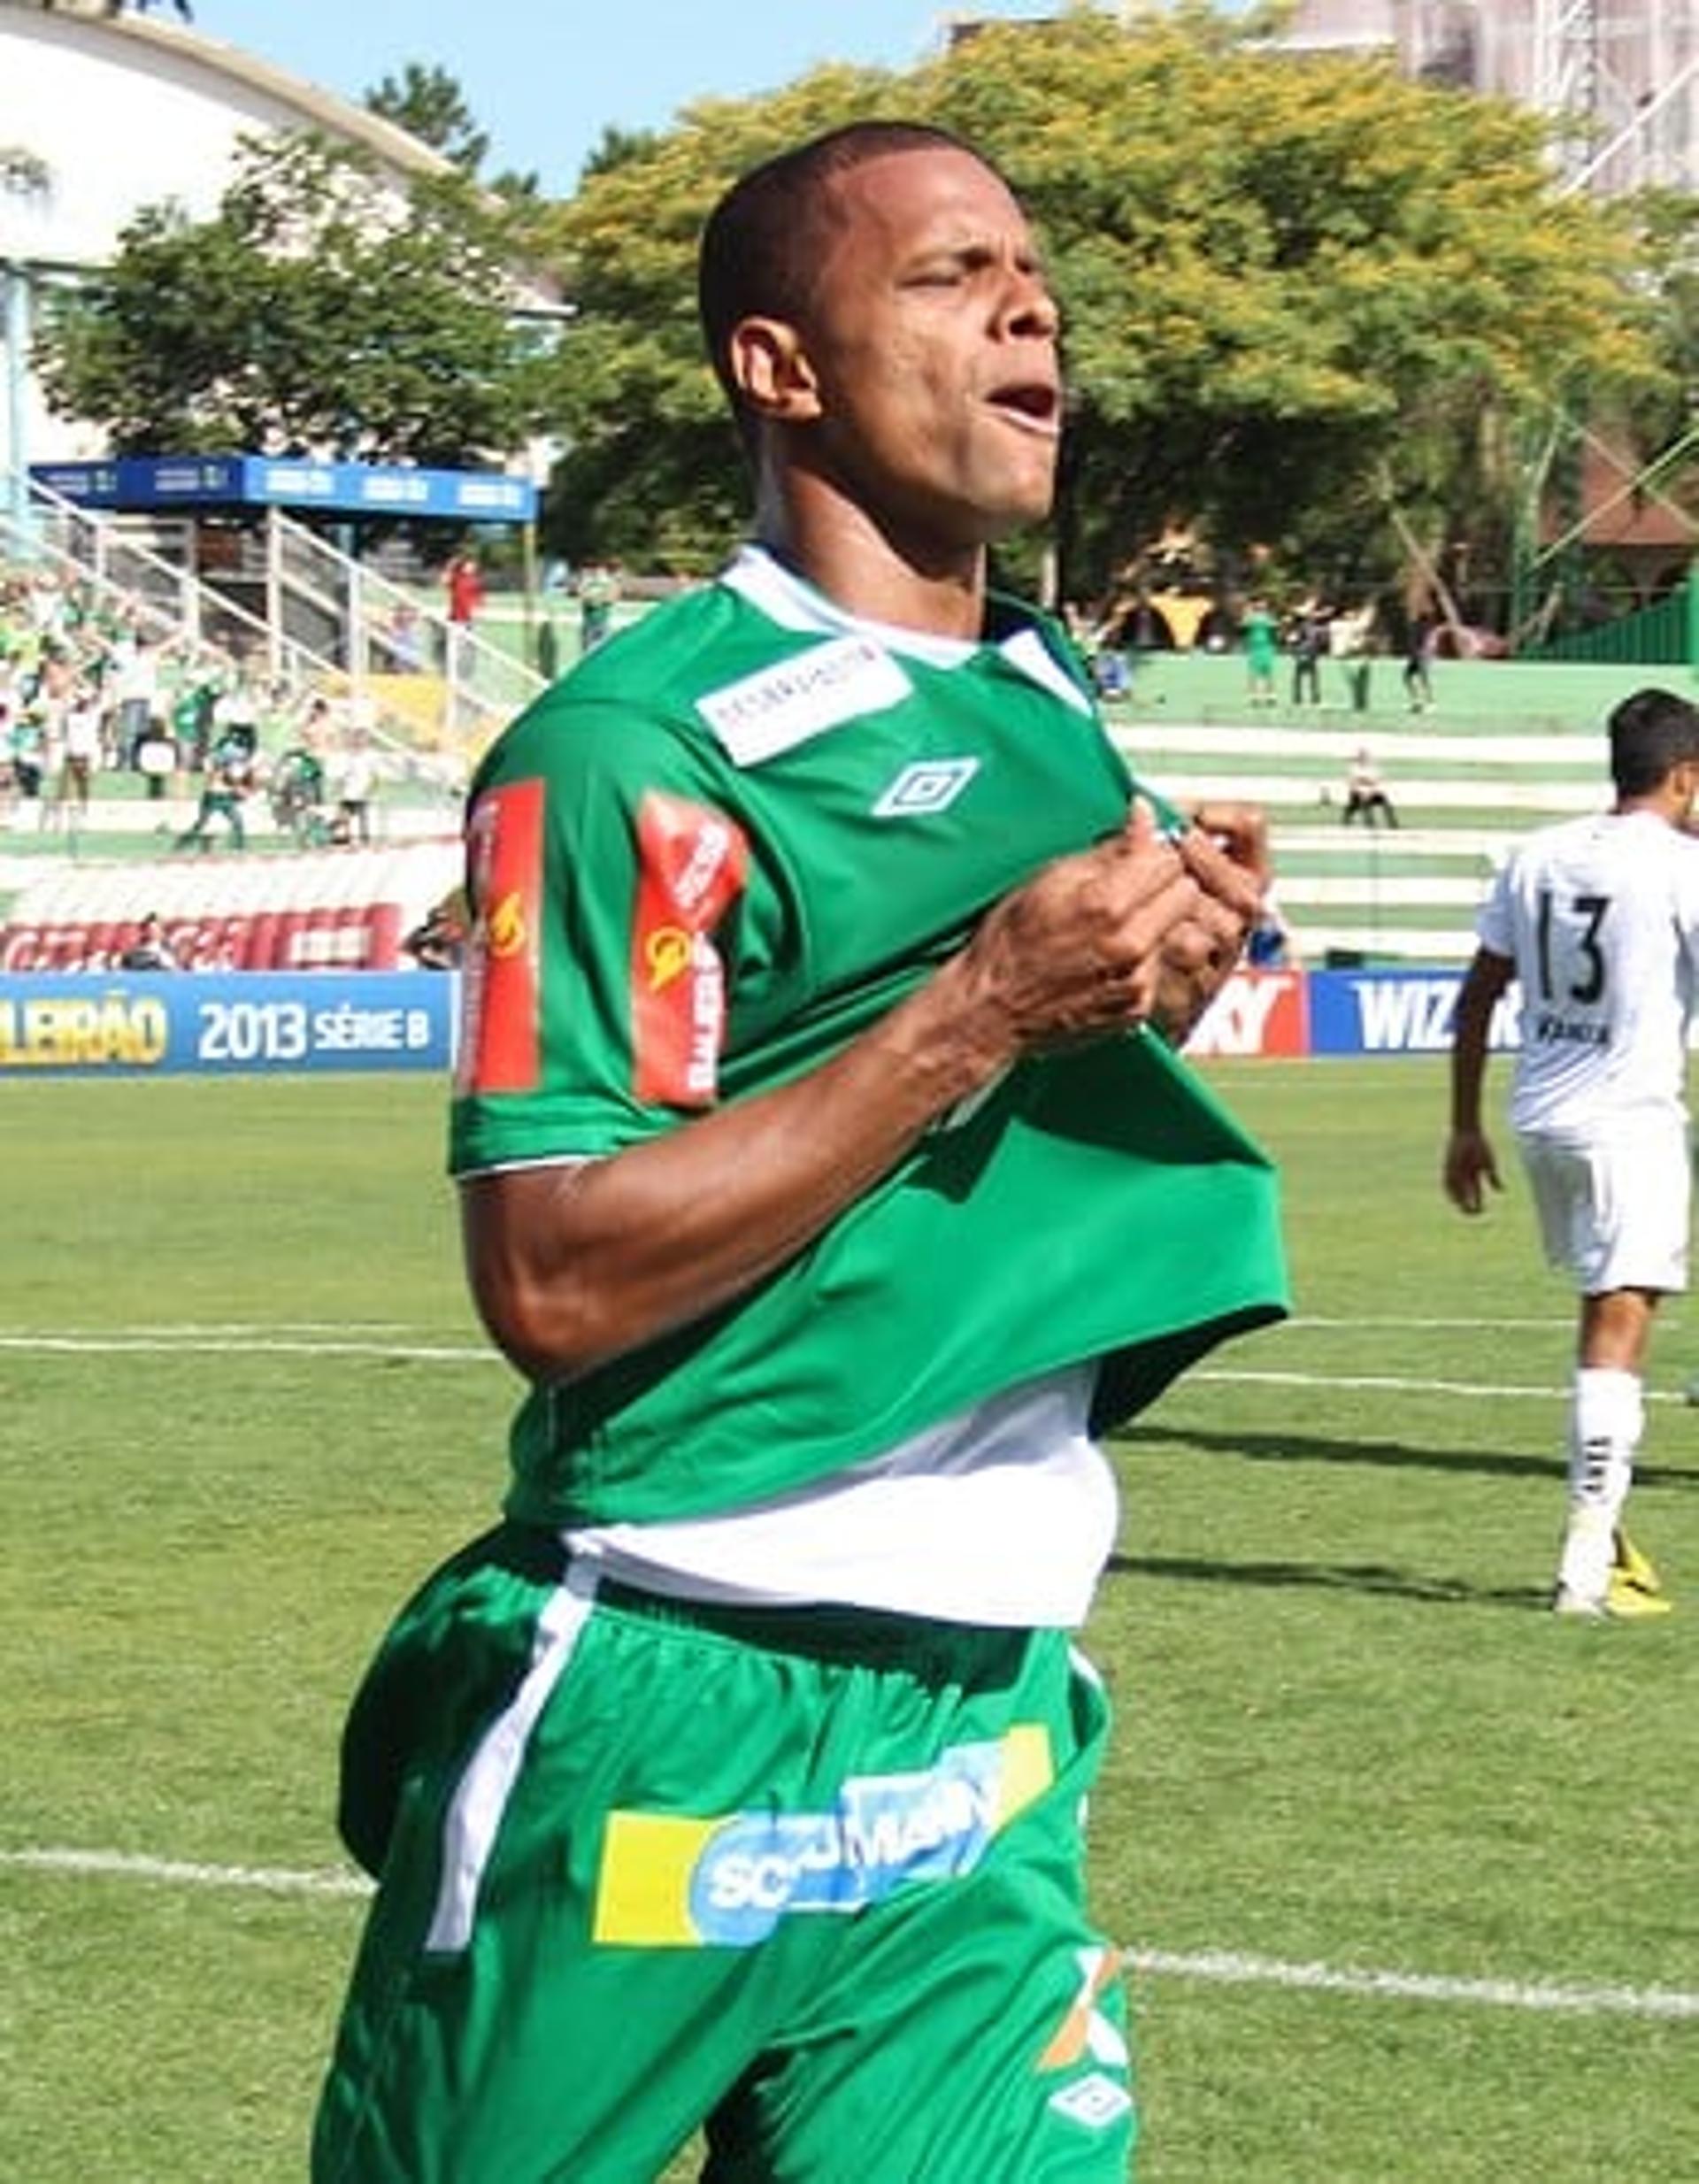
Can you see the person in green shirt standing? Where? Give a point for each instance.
(829, 1171)
(1260, 635)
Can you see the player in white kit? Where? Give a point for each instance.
(1597, 922)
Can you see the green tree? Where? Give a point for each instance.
(653, 471)
(321, 309)
(1668, 414)
(1307, 300)
(429, 103)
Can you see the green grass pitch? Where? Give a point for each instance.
(1405, 1865)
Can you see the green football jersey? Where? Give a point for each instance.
(725, 844)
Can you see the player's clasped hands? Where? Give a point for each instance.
(1143, 926)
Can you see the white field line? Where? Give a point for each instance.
(1379, 1323)
(256, 1342)
(185, 1873)
(301, 1339)
(1233, 1969)
(1391, 1384)
(1227, 1968)
(373, 1330)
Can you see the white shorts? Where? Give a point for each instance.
(1614, 1211)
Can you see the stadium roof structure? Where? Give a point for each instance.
(134, 484)
(102, 112)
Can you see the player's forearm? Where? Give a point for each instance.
(1466, 1079)
(574, 1266)
(1476, 1001)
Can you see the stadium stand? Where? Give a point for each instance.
(1504, 749)
(1516, 752)
(330, 908)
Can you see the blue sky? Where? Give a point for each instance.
(544, 77)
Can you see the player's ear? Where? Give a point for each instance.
(772, 372)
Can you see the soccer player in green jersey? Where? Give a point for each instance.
(829, 1169)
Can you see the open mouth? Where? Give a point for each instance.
(1031, 402)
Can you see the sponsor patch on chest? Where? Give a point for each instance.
(780, 706)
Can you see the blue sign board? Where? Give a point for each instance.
(157, 481)
(160, 1024)
(1394, 1011)
(153, 1024)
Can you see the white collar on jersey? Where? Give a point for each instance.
(787, 599)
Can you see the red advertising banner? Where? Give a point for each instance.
(1257, 1013)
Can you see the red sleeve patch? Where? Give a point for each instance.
(501, 982)
(692, 863)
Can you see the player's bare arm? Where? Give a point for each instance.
(1471, 1166)
(573, 1265)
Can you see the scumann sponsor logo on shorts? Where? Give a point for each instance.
(886, 1829)
(727, 1882)
(929, 785)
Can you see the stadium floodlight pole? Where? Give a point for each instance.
(1631, 131)
(25, 185)
(14, 337)
(1641, 483)
(1693, 620)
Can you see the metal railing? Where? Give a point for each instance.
(287, 603)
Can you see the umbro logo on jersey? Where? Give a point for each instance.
(928, 785)
(1096, 2101)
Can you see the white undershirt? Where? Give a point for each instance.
(1004, 1515)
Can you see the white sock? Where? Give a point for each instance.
(1607, 1416)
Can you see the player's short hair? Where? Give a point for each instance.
(765, 239)
(1651, 734)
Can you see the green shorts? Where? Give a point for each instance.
(807, 1879)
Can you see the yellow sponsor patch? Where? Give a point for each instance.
(643, 1896)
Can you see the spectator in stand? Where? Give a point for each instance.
(27, 748)
(79, 751)
(463, 581)
(1365, 793)
(1418, 649)
(598, 594)
(1350, 640)
(135, 686)
(356, 780)
(8, 774)
(149, 950)
(401, 638)
(1308, 643)
(439, 942)
(156, 760)
(1260, 638)
(230, 775)
(236, 710)
(465, 584)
